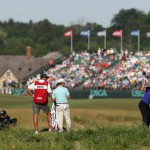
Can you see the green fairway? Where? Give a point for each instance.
(8, 101)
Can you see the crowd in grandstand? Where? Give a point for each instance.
(103, 69)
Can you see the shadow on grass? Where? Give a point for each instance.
(46, 130)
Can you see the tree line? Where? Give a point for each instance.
(45, 37)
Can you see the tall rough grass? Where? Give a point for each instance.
(100, 138)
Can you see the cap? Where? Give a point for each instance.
(43, 75)
(61, 80)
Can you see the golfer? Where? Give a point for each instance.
(145, 101)
(41, 89)
(61, 96)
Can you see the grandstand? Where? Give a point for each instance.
(103, 69)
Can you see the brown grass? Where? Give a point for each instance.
(87, 118)
(81, 118)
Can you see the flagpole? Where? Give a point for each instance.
(71, 43)
(105, 40)
(69, 34)
(121, 44)
(88, 40)
(139, 42)
(118, 33)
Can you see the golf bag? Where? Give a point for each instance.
(54, 121)
(5, 120)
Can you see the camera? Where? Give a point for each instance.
(5, 120)
(143, 73)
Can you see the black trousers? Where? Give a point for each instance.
(145, 112)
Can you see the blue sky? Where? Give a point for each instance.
(68, 12)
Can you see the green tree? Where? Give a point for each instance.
(124, 16)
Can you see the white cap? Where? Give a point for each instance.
(61, 80)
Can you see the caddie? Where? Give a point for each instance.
(40, 89)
